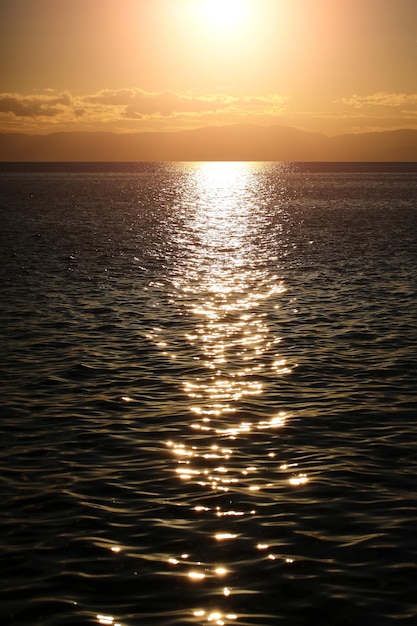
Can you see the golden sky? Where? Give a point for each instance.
(333, 66)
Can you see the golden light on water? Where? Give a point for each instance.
(224, 536)
(193, 575)
(228, 448)
(215, 616)
(222, 285)
(107, 620)
(301, 479)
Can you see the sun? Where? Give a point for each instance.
(224, 15)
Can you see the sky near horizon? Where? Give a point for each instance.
(333, 66)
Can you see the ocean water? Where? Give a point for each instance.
(208, 407)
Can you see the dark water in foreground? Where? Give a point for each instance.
(208, 408)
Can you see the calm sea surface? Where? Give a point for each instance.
(208, 395)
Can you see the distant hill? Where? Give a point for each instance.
(235, 143)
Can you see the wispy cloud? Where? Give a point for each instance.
(40, 105)
(130, 106)
(138, 103)
(134, 109)
(380, 99)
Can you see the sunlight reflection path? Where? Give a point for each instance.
(227, 288)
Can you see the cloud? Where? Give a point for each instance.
(34, 106)
(168, 103)
(139, 103)
(111, 97)
(133, 109)
(380, 99)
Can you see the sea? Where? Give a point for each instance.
(208, 405)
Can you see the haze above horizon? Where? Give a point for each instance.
(166, 65)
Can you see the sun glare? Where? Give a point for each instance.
(224, 14)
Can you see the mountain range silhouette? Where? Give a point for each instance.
(224, 143)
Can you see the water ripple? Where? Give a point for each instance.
(208, 397)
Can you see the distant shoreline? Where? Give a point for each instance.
(226, 143)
